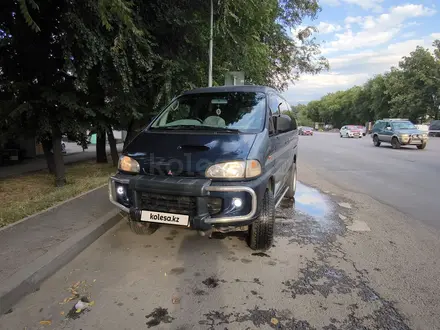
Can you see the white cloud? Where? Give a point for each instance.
(324, 27)
(354, 69)
(375, 30)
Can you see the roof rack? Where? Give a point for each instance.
(391, 119)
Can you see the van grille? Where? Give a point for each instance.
(169, 203)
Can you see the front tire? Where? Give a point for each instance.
(422, 146)
(292, 182)
(142, 228)
(260, 235)
(395, 143)
(376, 141)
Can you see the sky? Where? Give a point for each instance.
(362, 38)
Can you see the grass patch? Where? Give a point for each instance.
(27, 194)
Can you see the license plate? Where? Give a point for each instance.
(162, 217)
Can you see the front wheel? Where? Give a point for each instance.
(422, 146)
(260, 234)
(292, 182)
(376, 141)
(142, 228)
(395, 143)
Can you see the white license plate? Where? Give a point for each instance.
(168, 218)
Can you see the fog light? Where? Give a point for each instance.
(120, 190)
(237, 202)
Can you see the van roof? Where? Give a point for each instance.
(239, 88)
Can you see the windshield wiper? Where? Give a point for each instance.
(198, 127)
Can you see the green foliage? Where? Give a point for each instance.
(67, 66)
(410, 91)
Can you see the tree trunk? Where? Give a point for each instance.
(47, 149)
(101, 155)
(60, 171)
(113, 148)
(129, 135)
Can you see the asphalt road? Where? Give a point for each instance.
(341, 260)
(404, 179)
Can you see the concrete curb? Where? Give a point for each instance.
(29, 278)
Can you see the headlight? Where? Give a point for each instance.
(128, 164)
(404, 136)
(425, 136)
(234, 170)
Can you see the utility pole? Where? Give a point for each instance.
(211, 46)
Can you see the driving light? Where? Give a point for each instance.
(237, 202)
(235, 169)
(404, 136)
(128, 164)
(120, 190)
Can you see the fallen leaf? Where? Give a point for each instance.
(62, 313)
(175, 299)
(79, 310)
(76, 285)
(274, 321)
(46, 322)
(91, 303)
(94, 280)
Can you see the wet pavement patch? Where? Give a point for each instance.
(312, 218)
(260, 254)
(260, 318)
(199, 292)
(320, 278)
(169, 238)
(211, 282)
(158, 316)
(246, 261)
(177, 271)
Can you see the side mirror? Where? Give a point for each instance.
(283, 124)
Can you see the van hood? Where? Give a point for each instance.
(186, 154)
(409, 131)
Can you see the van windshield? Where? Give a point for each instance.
(227, 111)
(403, 125)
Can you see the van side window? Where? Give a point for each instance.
(284, 106)
(274, 101)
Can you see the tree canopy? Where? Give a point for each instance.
(68, 66)
(411, 90)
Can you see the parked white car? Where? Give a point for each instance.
(350, 131)
(423, 128)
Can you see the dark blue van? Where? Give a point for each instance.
(219, 158)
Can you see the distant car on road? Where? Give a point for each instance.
(363, 130)
(350, 131)
(398, 132)
(434, 128)
(304, 130)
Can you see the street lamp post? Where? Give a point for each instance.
(211, 46)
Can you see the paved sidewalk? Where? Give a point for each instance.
(25, 247)
(74, 154)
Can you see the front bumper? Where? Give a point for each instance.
(411, 140)
(198, 191)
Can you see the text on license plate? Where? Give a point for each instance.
(162, 217)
